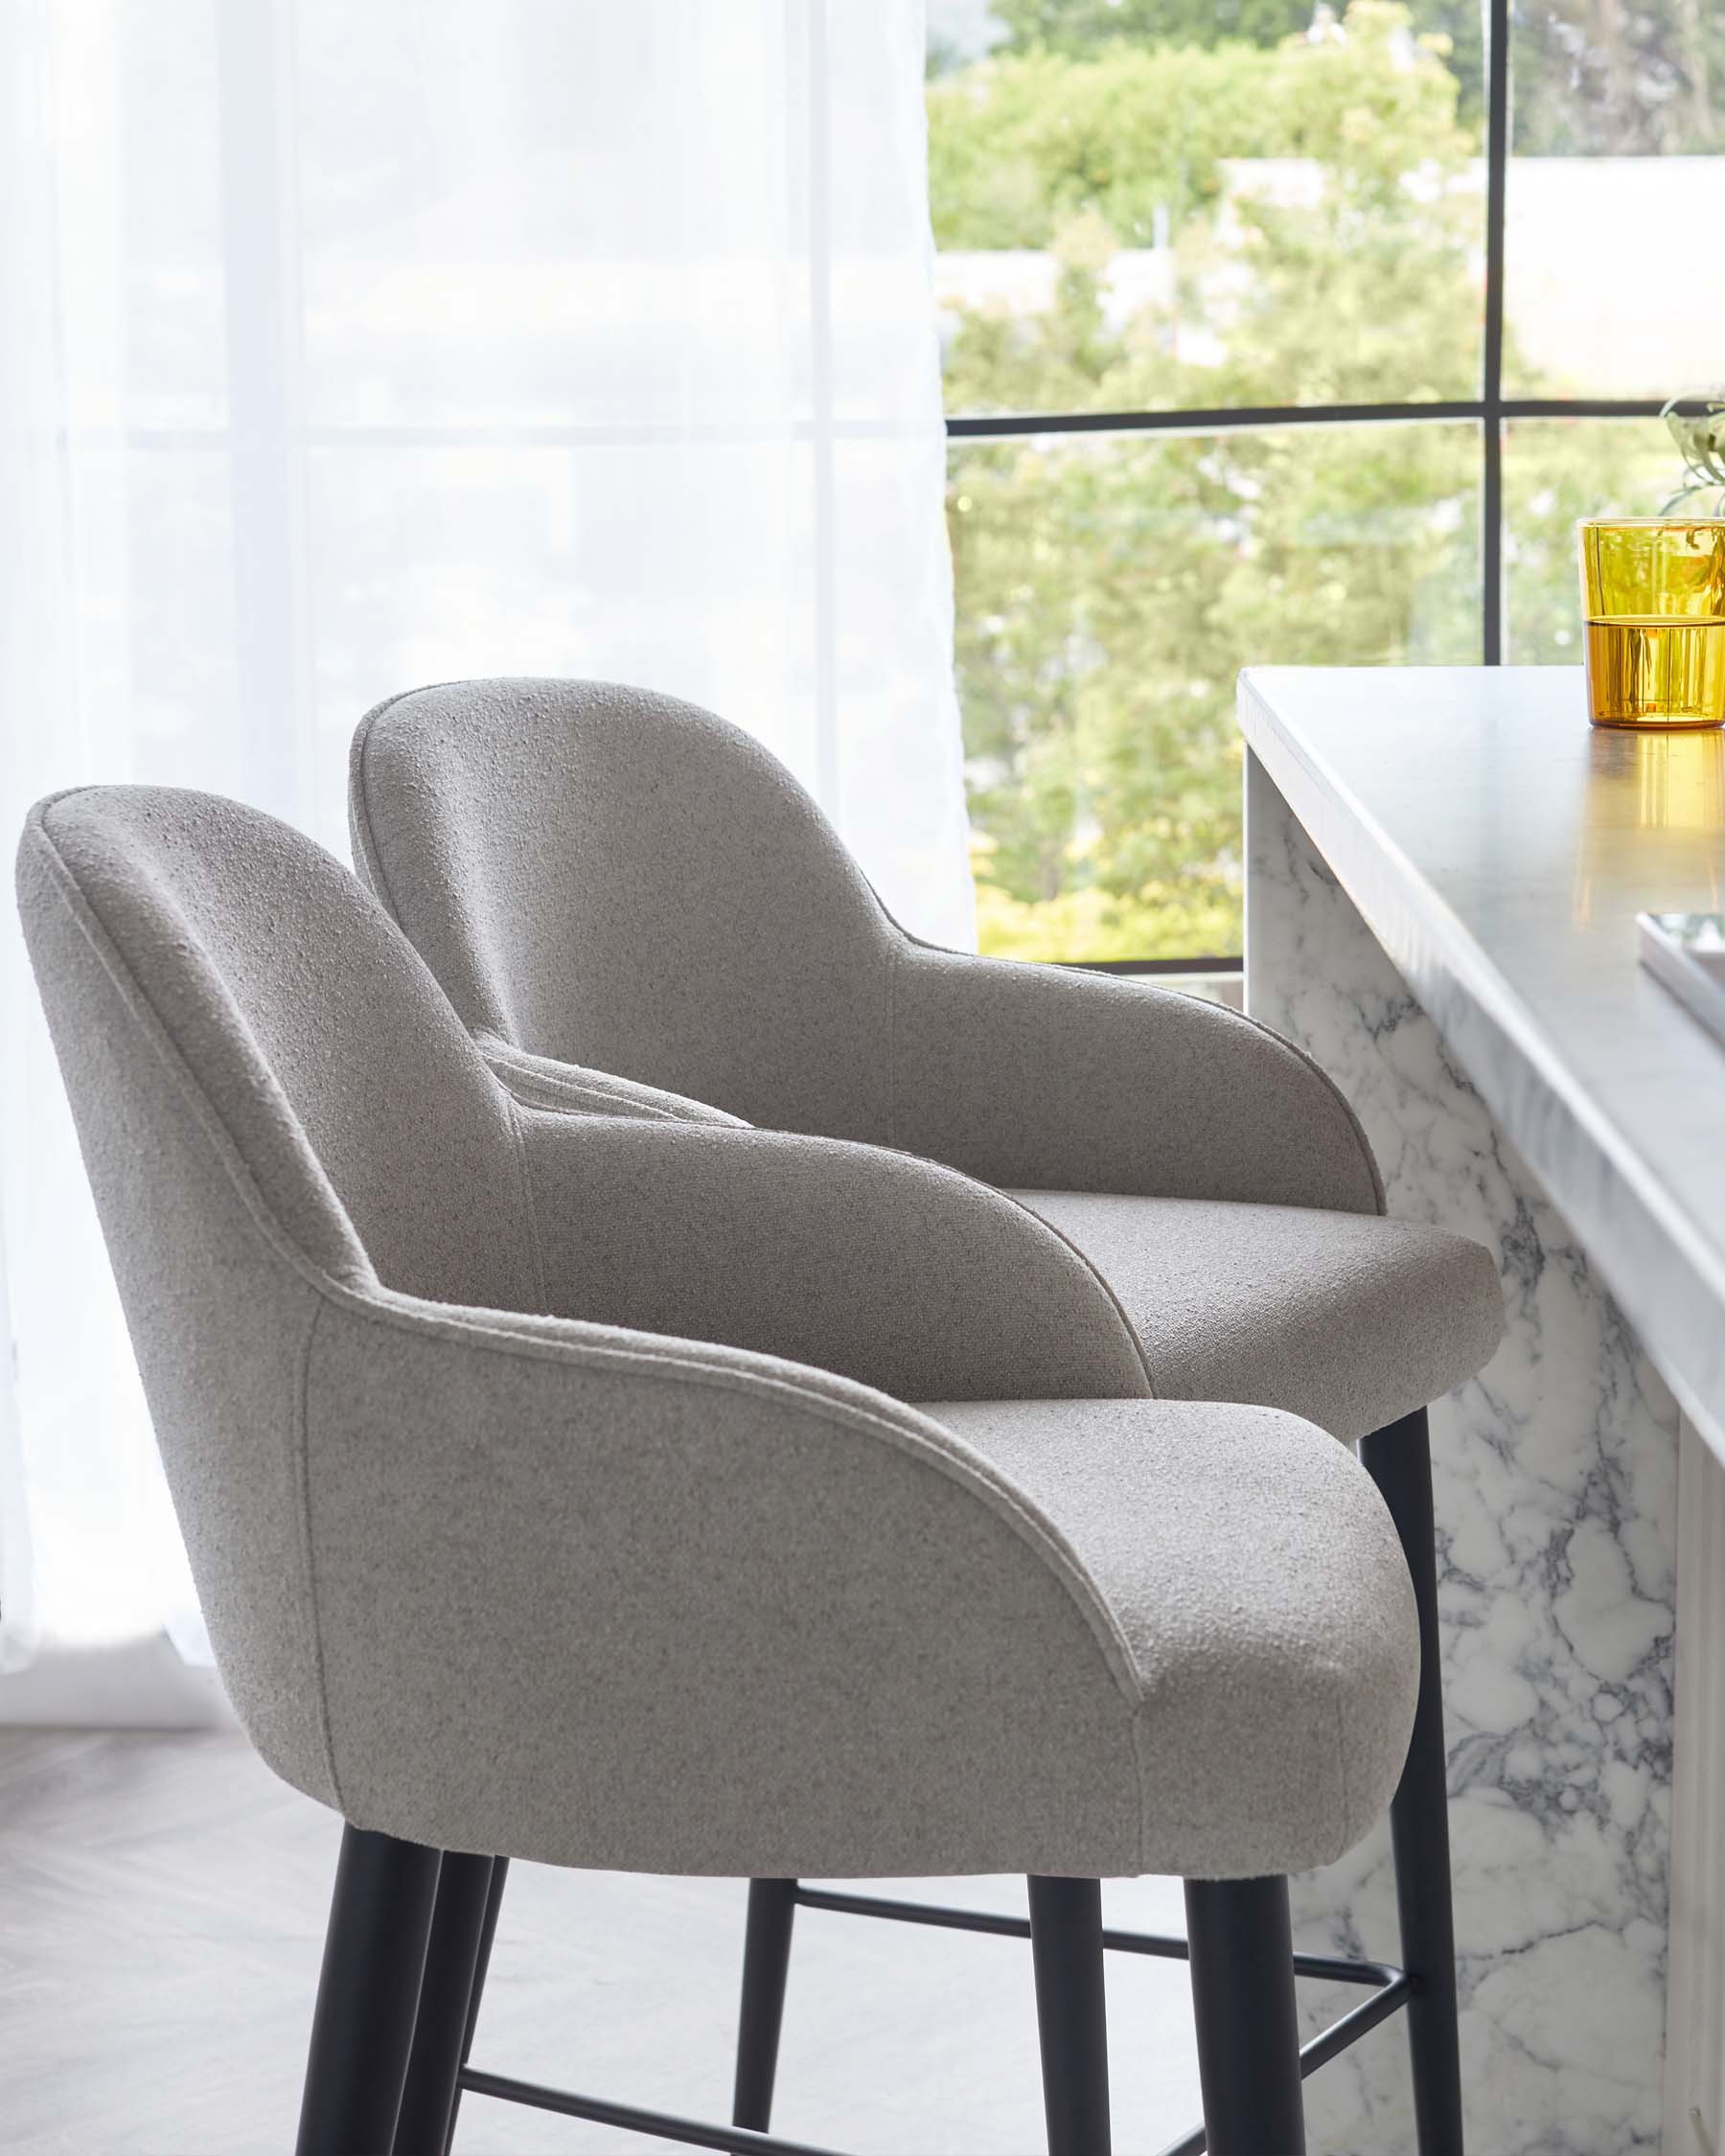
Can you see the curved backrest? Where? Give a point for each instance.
(270, 1090)
(311, 1029)
(592, 870)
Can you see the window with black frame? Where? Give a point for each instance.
(1283, 334)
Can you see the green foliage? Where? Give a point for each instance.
(1697, 426)
(1077, 28)
(1599, 77)
(1018, 147)
(1078, 156)
(1621, 78)
(1109, 588)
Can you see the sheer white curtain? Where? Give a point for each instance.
(347, 347)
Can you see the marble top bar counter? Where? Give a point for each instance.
(1443, 870)
(1499, 848)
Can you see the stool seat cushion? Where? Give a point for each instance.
(1349, 1320)
(1265, 1604)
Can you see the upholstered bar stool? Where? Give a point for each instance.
(495, 1567)
(635, 907)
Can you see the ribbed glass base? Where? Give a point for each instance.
(1651, 672)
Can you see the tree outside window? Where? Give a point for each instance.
(1210, 206)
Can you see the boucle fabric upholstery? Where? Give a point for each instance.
(542, 1083)
(611, 879)
(496, 1579)
(1348, 1319)
(602, 877)
(1188, 1519)
(880, 1267)
(262, 957)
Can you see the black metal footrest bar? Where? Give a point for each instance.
(1329, 1968)
(1391, 1999)
(664, 2125)
(1391, 1990)
(1391, 1987)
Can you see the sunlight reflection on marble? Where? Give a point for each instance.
(1556, 1485)
(1678, 785)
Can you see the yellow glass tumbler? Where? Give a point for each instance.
(1654, 591)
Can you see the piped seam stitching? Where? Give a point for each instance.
(308, 1555)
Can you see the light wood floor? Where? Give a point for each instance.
(162, 1901)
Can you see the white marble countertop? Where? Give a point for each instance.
(1499, 848)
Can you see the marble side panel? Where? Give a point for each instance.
(1556, 1484)
(1694, 2068)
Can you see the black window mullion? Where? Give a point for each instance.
(1222, 419)
(1491, 427)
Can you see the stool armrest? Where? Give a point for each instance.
(1045, 1077)
(606, 1599)
(894, 1271)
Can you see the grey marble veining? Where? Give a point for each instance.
(1556, 1489)
(1499, 848)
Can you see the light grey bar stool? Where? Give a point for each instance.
(635, 907)
(495, 1567)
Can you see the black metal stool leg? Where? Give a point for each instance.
(1242, 1957)
(766, 1967)
(1071, 2019)
(446, 1994)
(1398, 1459)
(488, 1932)
(368, 1995)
